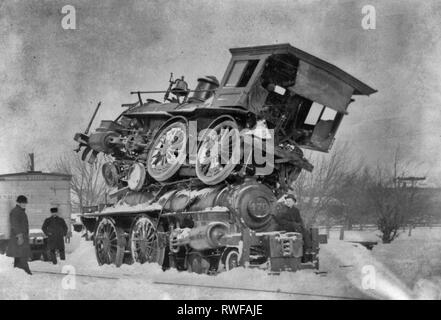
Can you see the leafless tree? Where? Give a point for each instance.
(87, 185)
(320, 190)
(342, 189)
(351, 194)
(393, 203)
(385, 199)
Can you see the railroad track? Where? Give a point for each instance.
(307, 294)
(77, 275)
(215, 287)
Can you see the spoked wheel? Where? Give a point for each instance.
(144, 241)
(168, 152)
(230, 259)
(218, 152)
(109, 243)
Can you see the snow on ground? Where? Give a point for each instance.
(408, 268)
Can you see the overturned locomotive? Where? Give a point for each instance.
(192, 190)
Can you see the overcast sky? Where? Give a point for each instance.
(51, 78)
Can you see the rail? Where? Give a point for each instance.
(307, 294)
(296, 293)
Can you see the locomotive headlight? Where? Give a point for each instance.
(110, 173)
(136, 177)
(259, 207)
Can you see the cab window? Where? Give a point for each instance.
(241, 73)
(318, 112)
(314, 114)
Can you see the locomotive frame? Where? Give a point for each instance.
(196, 231)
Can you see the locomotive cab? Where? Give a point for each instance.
(301, 97)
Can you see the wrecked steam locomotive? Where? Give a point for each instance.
(193, 192)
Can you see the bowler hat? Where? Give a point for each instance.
(291, 196)
(22, 199)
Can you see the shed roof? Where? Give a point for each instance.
(34, 174)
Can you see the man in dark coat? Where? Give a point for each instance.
(288, 216)
(55, 229)
(289, 219)
(18, 246)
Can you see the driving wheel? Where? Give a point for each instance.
(230, 259)
(218, 152)
(144, 241)
(168, 152)
(109, 243)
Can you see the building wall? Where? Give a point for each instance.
(42, 193)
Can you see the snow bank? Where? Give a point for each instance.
(415, 260)
(408, 268)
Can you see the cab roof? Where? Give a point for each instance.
(360, 88)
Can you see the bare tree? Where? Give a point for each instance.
(320, 190)
(341, 189)
(352, 197)
(385, 199)
(87, 185)
(394, 204)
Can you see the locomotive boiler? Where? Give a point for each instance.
(197, 176)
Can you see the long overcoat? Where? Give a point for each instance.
(19, 225)
(55, 229)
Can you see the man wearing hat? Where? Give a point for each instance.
(18, 246)
(55, 229)
(289, 219)
(288, 216)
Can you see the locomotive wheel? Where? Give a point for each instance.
(136, 177)
(144, 241)
(110, 174)
(231, 259)
(218, 152)
(109, 243)
(168, 152)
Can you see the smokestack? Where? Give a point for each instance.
(31, 163)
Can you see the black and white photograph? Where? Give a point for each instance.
(234, 150)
